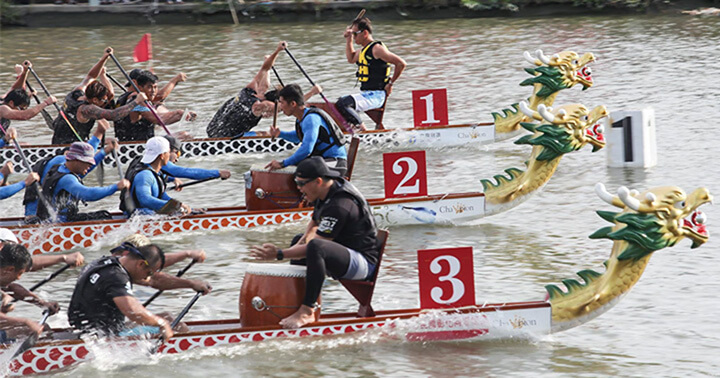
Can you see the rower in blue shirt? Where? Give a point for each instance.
(65, 190)
(314, 129)
(147, 192)
(174, 171)
(44, 166)
(7, 191)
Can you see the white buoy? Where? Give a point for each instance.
(631, 140)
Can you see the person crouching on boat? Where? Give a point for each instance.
(373, 72)
(89, 101)
(103, 296)
(147, 191)
(314, 129)
(44, 165)
(7, 191)
(339, 240)
(64, 188)
(140, 123)
(14, 261)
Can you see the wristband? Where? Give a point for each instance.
(280, 255)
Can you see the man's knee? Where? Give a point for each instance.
(346, 102)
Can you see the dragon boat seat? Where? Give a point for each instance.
(363, 290)
(377, 115)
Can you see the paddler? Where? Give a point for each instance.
(14, 107)
(7, 191)
(103, 296)
(243, 112)
(89, 101)
(147, 191)
(314, 129)
(174, 171)
(373, 72)
(64, 188)
(15, 260)
(140, 123)
(339, 240)
(44, 165)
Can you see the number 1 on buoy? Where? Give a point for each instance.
(430, 107)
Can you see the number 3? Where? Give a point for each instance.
(458, 288)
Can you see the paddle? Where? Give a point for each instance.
(147, 102)
(27, 166)
(129, 202)
(329, 105)
(177, 320)
(31, 340)
(46, 116)
(159, 292)
(50, 277)
(185, 185)
(116, 82)
(57, 107)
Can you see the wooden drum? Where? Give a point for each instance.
(271, 292)
(266, 190)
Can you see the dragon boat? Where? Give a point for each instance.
(646, 222)
(274, 200)
(550, 75)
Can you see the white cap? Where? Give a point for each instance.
(7, 235)
(153, 148)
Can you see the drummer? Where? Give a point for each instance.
(314, 129)
(103, 296)
(339, 240)
(15, 260)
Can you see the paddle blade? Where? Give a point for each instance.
(143, 50)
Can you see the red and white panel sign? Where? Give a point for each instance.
(430, 107)
(405, 174)
(446, 277)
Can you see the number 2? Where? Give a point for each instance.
(412, 170)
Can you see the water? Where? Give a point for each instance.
(666, 326)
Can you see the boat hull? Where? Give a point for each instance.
(429, 137)
(489, 322)
(440, 209)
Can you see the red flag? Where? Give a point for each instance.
(143, 50)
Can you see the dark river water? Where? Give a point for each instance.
(667, 326)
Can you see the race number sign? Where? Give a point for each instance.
(405, 174)
(446, 277)
(430, 107)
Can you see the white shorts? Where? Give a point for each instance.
(359, 268)
(367, 100)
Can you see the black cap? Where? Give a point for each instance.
(315, 167)
(175, 144)
(134, 74)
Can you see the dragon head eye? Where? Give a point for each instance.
(584, 118)
(575, 62)
(679, 204)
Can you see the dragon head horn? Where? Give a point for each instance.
(542, 57)
(525, 108)
(628, 198)
(607, 197)
(531, 59)
(546, 113)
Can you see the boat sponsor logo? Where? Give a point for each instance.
(517, 322)
(469, 135)
(458, 208)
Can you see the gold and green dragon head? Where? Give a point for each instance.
(560, 131)
(649, 221)
(550, 76)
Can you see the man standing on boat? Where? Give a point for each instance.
(15, 260)
(103, 296)
(340, 239)
(65, 189)
(314, 129)
(373, 73)
(147, 191)
(88, 102)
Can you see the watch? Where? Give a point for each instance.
(280, 255)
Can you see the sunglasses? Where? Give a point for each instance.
(357, 32)
(301, 183)
(132, 249)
